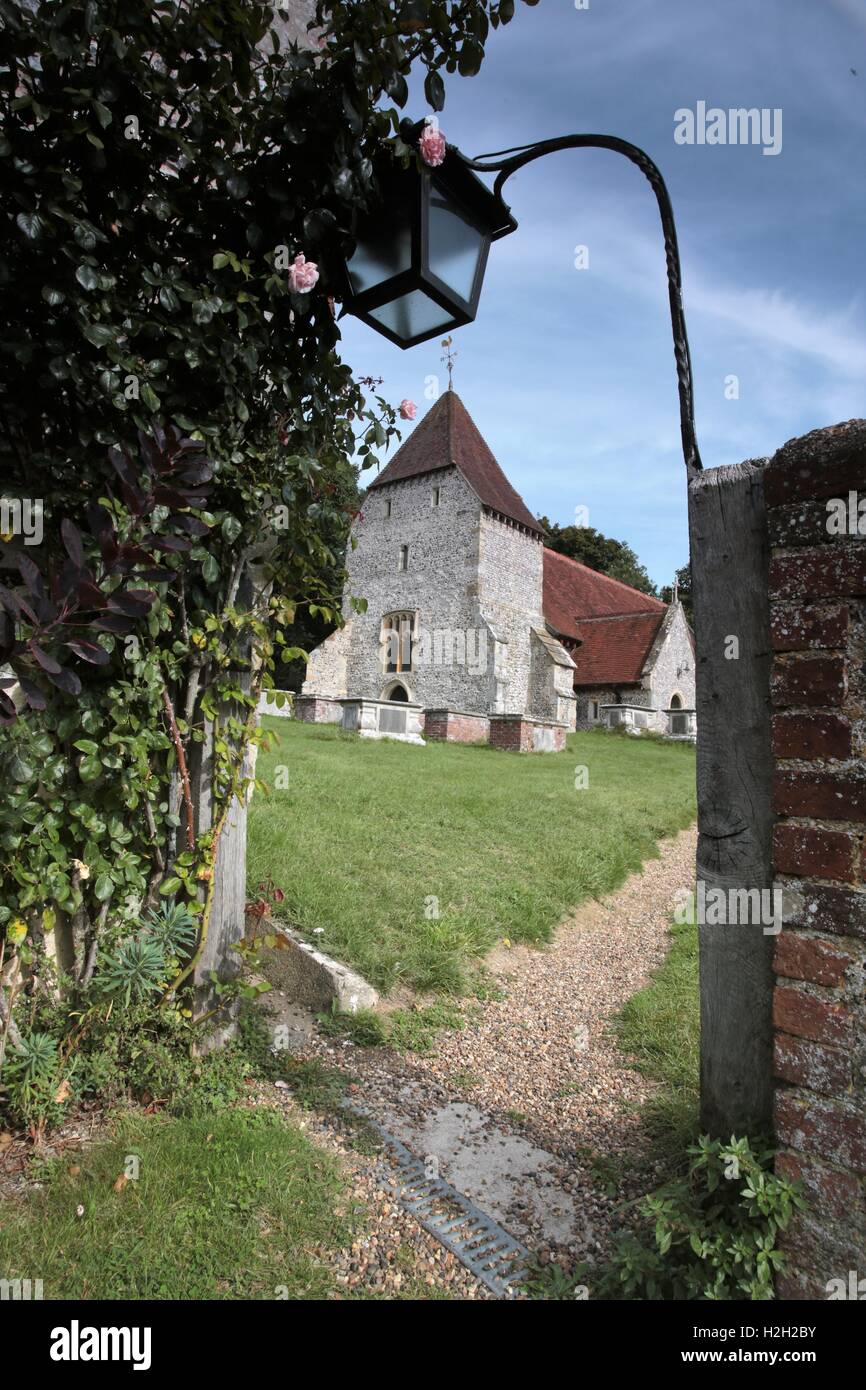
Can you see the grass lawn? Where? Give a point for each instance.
(368, 839)
(660, 1028)
(226, 1206)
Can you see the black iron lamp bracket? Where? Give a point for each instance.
(517, 158)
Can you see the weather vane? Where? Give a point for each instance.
(448, 357)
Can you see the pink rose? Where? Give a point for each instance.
(303, 275)
(432, 145)
(408, 410)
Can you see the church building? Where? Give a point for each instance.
(469, 628)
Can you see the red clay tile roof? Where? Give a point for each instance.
(613, 651)
(615, 624)
(447, 435)
(573, 591)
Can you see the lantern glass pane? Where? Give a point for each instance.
(385, 252)
(412, 314)
(454, 245)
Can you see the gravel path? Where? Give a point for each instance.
(530, 1108)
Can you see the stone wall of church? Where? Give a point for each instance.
(673, 669)
(510, 569)
(603, 695)
(327, 665)
(453, 653)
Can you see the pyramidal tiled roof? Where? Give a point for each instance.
(448, 436)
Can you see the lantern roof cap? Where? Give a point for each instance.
(448, 437)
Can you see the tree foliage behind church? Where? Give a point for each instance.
(590, 547)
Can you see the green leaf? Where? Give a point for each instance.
(87, 276)
(31, 225)
(99, 334)
(169, 886)
(210, 569)
(434, 91)
(103, 888)
(470, 58)
(19, 771)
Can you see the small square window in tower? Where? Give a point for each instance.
(435, 496)
(404, 558)
(386, 510)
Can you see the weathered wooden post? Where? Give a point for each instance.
(730, 562)
(227, 918)
(226, 925)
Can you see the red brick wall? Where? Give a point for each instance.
(512, 734)
(456, 727)
(818, 692)
(312, 710)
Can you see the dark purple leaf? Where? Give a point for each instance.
(197, 473)
(90, 595)
(66, 681)
(168, 496)
(108, 547)
(157, 575)
(8, 712)
(90, 651)
(173, 544)
(46, 611)
(99, 520)
(122, 465)
(30, 574)
(72, 540)
(130, 554)
(10, 601)
(135, 603)
(113, 622)
(45, 661)
(133, 498)
(149, 450)
(32, 694)
(191, 524)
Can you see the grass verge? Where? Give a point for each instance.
(410, 863)
(233, 1205)
(659, 1028)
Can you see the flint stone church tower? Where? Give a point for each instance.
(473, 630)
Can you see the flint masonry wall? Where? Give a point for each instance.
(818, 695)
(509, 580)
(673, 664)
(439, 585)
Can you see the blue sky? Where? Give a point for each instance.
(569, 373)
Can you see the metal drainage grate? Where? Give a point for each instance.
(492, 1255)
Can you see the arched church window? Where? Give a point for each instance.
(398, 631)
(676, 702)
